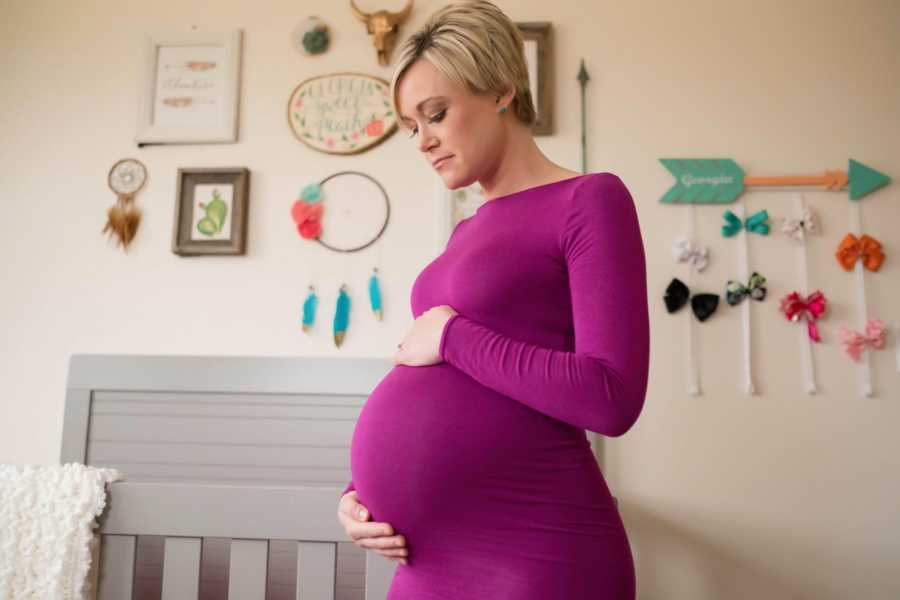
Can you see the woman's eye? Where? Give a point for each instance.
(437, 118)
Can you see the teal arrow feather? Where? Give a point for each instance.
(703, 181)
(375, 294)
(309, 309)
(341, 317)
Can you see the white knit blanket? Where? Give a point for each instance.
(47, 517)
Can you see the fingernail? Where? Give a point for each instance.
(362, 513)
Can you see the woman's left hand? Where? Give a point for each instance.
(421, 343)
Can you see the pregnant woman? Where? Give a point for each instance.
(470, 461)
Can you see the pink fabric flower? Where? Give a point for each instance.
(308, 218)
(310, 229)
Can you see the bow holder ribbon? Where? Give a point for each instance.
(798, 228)
(755, 223)
(735, 291)
(866, 248)
(855, 342)
(677, 294)
(796, 307)
(685, 251)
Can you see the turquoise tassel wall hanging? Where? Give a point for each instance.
(309, 309)
(341, 316)
(375, 294)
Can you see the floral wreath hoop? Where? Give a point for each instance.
(307, 212)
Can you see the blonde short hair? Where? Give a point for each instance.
(475, 45)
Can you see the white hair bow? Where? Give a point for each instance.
(798, 228)
(683, 250)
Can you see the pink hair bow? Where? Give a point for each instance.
(855, 342)
(796, 307)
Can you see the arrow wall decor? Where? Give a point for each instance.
(722, 181)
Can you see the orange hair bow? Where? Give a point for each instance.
(866, 248)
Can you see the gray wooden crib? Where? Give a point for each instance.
(234, 467)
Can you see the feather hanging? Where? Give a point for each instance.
(375, 294)
(341, 316)
(122, 221)
(309, 309)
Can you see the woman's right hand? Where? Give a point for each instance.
(370, 535)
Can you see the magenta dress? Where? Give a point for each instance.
(481, 461)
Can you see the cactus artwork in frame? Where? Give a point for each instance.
(211, 211)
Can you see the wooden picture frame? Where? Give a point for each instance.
(191, 87)
(539, 58)
(211, 211)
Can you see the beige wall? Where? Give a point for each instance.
(777, 496)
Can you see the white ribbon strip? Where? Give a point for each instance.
(744, 275)
(693, 373)
(895, 325)
(806, 361)
(864, 366)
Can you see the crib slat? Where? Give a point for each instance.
(116, 567)
(315, 570)
(181, 568)
(247, 570)
(379, 572)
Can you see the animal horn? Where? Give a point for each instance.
(403, 14)
(362, 16)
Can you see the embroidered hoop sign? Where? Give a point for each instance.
(342, 113)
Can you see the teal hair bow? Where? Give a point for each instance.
(755, 223)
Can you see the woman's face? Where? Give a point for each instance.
(460, 134)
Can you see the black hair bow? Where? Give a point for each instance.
(677, 294)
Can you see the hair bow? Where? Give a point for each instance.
(735, 291)
(855, 342)
(866, 248)
(798, 228)
(677, 293)
(796, 307)
(685, 251)
(755, 223)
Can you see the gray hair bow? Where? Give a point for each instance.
(683, 250)
(798, 228)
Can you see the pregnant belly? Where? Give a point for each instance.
(434, 451)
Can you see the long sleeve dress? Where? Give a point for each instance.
(481, 461)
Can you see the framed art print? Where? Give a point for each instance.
(539, 59)
(451, 207)
(191, 88)
(211, 211)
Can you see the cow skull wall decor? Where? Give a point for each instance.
(382, 25)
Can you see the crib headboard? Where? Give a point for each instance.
(233, 470)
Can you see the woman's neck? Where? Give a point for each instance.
(522, 166)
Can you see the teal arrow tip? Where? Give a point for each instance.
(864, 180)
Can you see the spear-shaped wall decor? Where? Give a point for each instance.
(582, 80)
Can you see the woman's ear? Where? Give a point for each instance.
(507, 98)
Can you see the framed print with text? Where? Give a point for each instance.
(191, 87)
